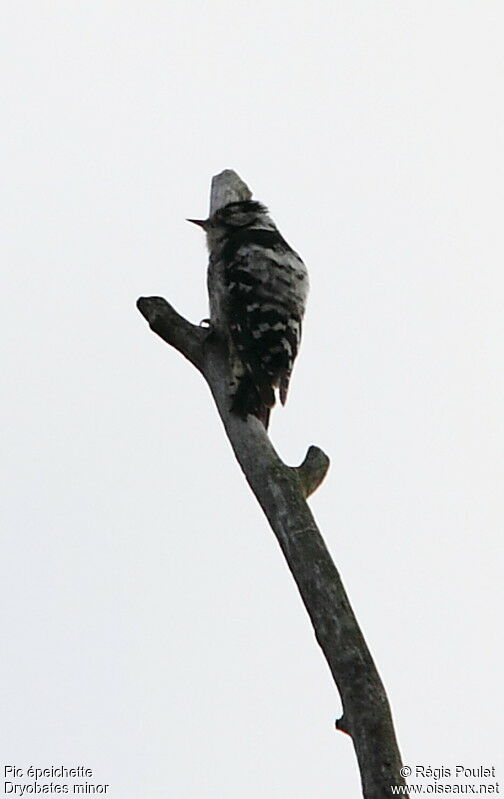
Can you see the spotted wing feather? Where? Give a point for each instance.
(267, 286)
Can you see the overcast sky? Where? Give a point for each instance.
(151, 630)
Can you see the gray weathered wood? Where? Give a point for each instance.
(281, 491)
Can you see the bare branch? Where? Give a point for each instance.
(281, 491)
(227, 187)
(164, 320)
(313, 470)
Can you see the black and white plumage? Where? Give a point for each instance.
(258, 287)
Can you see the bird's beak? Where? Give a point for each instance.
(201, 222)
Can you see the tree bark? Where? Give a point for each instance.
(281, 491)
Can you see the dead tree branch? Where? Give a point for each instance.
(281, 491)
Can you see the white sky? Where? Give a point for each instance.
(150, 628)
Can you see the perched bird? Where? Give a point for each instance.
(258, 288)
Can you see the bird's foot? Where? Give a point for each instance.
(211, 330)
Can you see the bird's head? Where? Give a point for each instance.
(233, 217)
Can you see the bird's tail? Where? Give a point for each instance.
(284, 385)
(251, 397)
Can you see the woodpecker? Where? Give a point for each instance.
(257, 287)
